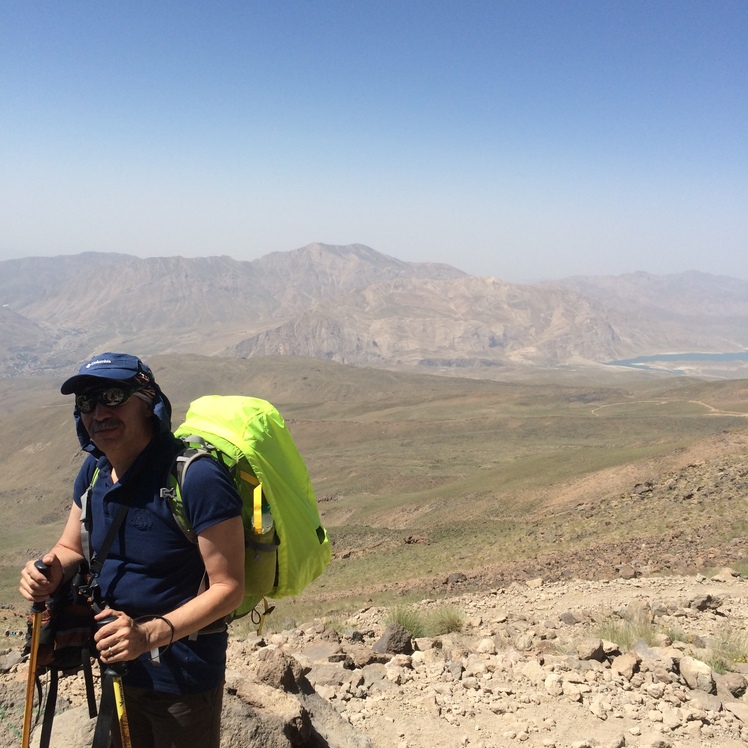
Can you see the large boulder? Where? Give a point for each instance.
(697, 675)
(395, 640)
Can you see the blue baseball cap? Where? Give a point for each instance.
(119, 367)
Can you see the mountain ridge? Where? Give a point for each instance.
(355, 305)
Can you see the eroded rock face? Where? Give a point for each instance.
(536, 665)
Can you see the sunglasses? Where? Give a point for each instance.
(109, 396)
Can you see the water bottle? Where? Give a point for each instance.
(267, 520)
(267, 531)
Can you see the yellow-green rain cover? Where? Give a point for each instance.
(251, 430)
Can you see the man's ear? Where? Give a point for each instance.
(148, 408)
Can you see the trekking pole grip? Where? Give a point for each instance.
(38, 607)
(113, 668)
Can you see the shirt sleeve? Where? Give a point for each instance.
(209, 494)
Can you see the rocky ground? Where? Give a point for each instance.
(619, 641)
(622, 662)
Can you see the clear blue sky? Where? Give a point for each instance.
(524, 139)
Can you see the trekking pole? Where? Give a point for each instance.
(37, 610)
(112, 709)
(119, 701)
(112, 706)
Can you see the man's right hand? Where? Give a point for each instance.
(36, 586)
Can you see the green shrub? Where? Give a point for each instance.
(444, 620)
(626, 633)
(410, 619)
(677, 634)
(729, 646)
(717, 664)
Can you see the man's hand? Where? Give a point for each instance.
(36, 586)
(121, 639)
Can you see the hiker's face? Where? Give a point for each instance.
(122, 429)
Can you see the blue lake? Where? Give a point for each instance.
(638, 362)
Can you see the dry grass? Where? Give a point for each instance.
(436, 621)
(730, 646)
(626, 633)
(411, 619)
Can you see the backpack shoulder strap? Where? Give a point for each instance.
(173, 495)
(96, 560)
(86, 518)
(175, 478)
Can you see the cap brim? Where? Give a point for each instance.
(69, 386)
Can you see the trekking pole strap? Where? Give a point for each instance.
(106, 714)
(88, 680)
(49, 709)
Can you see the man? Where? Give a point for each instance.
(152, 581)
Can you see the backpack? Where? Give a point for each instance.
(66, 640)
(286, 545)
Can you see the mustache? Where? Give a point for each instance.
(107, 423)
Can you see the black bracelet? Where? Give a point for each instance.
(145, 619)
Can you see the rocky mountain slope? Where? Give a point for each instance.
(446, 323)
(351, 304)
(644, 663)
(638, 643)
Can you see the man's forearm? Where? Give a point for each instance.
(69, 558)
(208, 607)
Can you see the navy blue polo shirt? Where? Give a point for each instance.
(152, 568)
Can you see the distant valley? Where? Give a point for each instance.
(354, 305)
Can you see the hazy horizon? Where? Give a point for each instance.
(527, 281)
